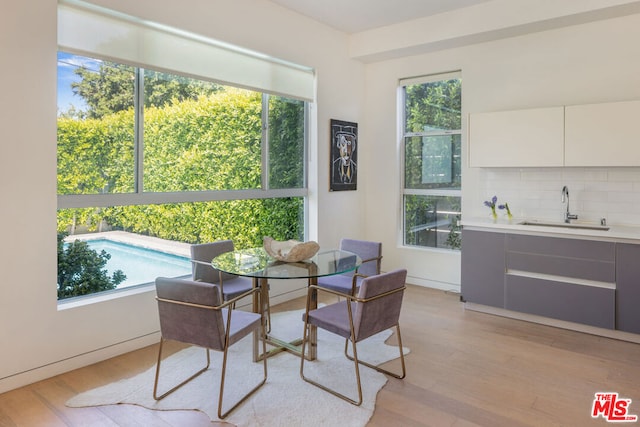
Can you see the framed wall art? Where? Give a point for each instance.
(343, 174)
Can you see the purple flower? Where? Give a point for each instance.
(491, 204)
(506, 207)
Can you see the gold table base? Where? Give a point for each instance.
(294, 347)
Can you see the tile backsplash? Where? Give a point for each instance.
(594, 193)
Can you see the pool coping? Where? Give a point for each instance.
(148, 242)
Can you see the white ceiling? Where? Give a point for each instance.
(353, 16)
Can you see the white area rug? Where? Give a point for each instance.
(285, 399)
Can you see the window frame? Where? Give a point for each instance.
(194, 56)
(141, 197)
(403, 135)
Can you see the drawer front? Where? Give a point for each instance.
(589, 305)
(579, 268)
(575, 258)
(567, 248)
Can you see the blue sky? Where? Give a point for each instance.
(67, 63)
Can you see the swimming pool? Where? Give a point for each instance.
(140, 265)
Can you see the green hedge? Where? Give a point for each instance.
(212, 143)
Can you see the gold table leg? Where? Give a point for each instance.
(313, 330)
(259, 301)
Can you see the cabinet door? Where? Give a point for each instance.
(628, 288)
(520, 138)
(483, 267)
(602, 134)
(589, 305)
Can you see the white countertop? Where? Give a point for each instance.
(617, 233)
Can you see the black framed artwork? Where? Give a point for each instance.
(344, 156)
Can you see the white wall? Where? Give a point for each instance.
(39, 340)
(587, 63)
(594, 62)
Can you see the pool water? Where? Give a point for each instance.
(140, 265)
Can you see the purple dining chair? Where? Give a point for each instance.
(348, 283)
(376, 308)
(230, 285)
(193, 313)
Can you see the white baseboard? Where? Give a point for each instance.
(444, 286)
(593, 330)
(281, 291)
(52, 369)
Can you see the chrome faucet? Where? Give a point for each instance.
(565, 198)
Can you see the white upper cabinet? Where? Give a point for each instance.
(519, 138)
(605, 134)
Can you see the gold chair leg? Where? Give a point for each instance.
(155, 384)
(377, 368)
(221, 414)
(322, 386)
(268, 310)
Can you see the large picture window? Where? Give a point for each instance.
(173, 157)
(431, 135)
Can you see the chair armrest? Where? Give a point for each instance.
(355, 298)
(329, 291)
(378, 258)
(210, 307)
(375, 297)
(239, 297)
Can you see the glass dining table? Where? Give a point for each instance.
(257, 264)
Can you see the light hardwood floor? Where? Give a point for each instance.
(465, 369)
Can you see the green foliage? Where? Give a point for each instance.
(422, 211)
(209, 144)
(111, 89)
(286, 143)
(107, 91)
(454, 239)
(245, 222)
(434, 106)
(96, 156)
(161, 89)
(197, 136)
(432, 161)
(81, 270)
(212, 143)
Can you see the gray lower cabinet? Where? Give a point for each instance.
(628, 287)
(560, 278)
(483, 267)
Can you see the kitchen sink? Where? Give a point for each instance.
(579, 226)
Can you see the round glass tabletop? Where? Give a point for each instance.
(255, 262)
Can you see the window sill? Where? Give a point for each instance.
(82, 301)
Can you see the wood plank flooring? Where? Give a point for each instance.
(465, 369)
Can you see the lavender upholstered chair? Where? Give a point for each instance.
(375, 309)
(348, 283)
(202, 271)
(230, 285)
(191, 312)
